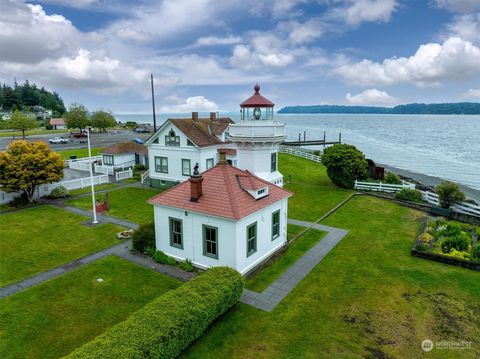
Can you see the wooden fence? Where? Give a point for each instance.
(124, 174)
(460, 207)
(300, 153)
(383, 187)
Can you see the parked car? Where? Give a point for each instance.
(141, 130)
(78, 134)
(58, 140)
(139, 141)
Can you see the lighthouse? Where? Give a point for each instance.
(257, 137)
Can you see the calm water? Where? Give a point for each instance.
(442, 146)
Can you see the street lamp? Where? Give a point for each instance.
(91, 178)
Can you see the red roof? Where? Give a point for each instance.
(57, 121)
(224, 194)
(125, 147)
(257, 100)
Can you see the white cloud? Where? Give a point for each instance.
(371, 97)
(463, 6)
(455, 59)
(303, 32)
(79, 4)
(354, 12)
(216, 40)
(466, 27)
(472, 94)
(190, 104)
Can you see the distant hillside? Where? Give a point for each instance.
(459, 108)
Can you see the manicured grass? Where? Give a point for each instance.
(314, 193)
(40, 238)
(37, 131)
(295, 250)
(367, 298)
(55, 317)
(293, 230)
(79, 152)
(100, 187)
(4, 207)
(127, 203)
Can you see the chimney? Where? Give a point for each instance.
(195, 116)
(213, 116)
(195, 185)
(222, 154)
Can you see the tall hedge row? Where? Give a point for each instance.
(171, 322)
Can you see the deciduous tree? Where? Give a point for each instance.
(77, 117)
(345, 164)
(103, 120)
(449, 193)
(25, 165)
(22, 122)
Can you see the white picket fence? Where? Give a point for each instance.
(45, 189)
(108, 170)
(460, 207)
(121, 175)
(300, 153)
(383, 187)
(83, 159)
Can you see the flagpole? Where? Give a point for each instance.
(91, 178)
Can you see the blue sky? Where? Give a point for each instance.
(207, 55)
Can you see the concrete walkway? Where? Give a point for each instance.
(282, 286)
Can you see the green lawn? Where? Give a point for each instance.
(40, 238)
(127, 203)
(79, 152)
(100, 187)
(37, 131)
(314, 193)
(55, 317)
(367, 298)
(295, 250)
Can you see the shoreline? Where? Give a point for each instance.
(431, 181)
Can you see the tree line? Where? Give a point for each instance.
(459, 108)
(26, 97)
(79, 117)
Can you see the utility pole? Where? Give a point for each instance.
(153, 105)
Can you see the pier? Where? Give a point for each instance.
(304, 142)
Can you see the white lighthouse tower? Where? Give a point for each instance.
(258, 137)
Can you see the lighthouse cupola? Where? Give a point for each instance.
(256, 107)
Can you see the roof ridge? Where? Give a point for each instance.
(228, 185)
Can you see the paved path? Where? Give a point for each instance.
(282, 286)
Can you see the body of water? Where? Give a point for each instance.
(436, 145)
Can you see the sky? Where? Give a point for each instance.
(206, 55)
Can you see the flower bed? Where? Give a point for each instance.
(449, 242)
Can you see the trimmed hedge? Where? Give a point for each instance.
(171, 322)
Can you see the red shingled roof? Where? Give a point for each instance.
(126, 147)
(223, 195)
(204, 131)
(257, 100)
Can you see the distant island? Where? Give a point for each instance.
(459, 108)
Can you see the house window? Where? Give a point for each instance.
(251, 239)
(275, 224)
(171, 139)
(273, 163)
(190, 143)
(108, 160)
(209, 163)
(186, 171)
(176, 233)
(210, 241)
(161, 164)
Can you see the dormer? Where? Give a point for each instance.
(171, 139)
(252, 186)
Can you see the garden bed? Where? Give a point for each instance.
(449, 242)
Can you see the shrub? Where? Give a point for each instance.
(344, 164)
(421, 247)
(449, 193)
(449, 230)
(476, 253)
(457, 254)
(144, 237)
(48, 126)
(392, 178)
(425, 238)
(460, 242)
(187, 266)
(139, 167)
(407, 194)
(19, 201)
(162, 258)
(59, 192)
(171, 322)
